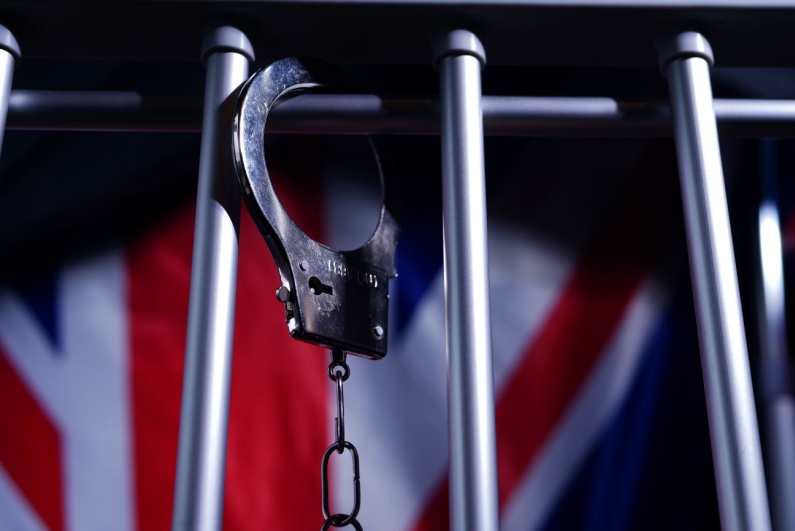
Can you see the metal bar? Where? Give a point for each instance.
(779, 403)
(742, 496)
(473, 463)
(372, 114)
(9, 56)
(42, 110)
(198, 498)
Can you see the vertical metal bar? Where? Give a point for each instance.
(198, 498)
(459, 57)
(685, 58)
(9, 56)
(779, 404)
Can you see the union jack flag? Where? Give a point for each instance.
(600, 412)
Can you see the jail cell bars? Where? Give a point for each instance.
(685, 58)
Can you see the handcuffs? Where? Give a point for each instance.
(336, 299)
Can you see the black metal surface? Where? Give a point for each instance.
(519, 32)
(338, 299)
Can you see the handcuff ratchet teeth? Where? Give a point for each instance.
(337, 299)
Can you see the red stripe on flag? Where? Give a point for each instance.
(577, 330)
(278, 420)
(556, 365)
(32, 457)
(158, 276)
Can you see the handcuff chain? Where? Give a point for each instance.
(339, 371)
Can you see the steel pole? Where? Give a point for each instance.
(9, 56)
(685, 58)
(370, 114)
(198, 498)
(472, 442)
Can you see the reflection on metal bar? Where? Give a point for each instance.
(9, 56)
(199, 491)
(103, 111)
(372, 114)
(779, 404)
(472, 439)
(742, 494)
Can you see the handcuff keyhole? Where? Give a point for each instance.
(318, 288)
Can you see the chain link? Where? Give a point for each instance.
(339, 422)
(333, 522)
(339, 371)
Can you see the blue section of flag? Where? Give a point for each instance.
(652, 467)
(419, 258)
(41, 298)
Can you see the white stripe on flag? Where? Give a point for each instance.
(15, 512)
(400, 417)
(527, 277)
(583, 423)
(84, 387)
(396, 409)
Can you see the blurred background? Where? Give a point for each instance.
(600, 405)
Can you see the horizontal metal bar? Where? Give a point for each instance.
(372, 114)
(103, 111)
